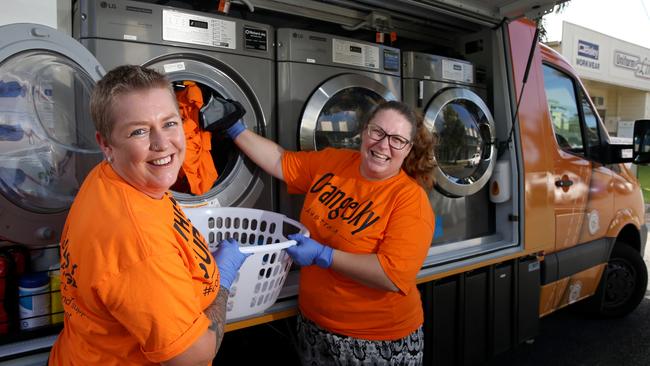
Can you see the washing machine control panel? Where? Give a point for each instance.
(192, 28)
(196, 29)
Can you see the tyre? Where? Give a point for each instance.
(623, 284)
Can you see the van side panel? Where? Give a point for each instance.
(536, 134)
(628, 207)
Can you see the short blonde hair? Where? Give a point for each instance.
(121, 80)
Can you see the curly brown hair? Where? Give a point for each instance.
(121, 80)
(419, 163)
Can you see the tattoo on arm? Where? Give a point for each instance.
(216, 312)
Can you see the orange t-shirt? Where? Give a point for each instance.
(135, 277)
(392, 218)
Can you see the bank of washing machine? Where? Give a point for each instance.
(444, 89)
(226, 57)
(325, 86)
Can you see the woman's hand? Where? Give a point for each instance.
(229, 259)
(220, 114)
(308, 251)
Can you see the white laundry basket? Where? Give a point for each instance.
(260, 232)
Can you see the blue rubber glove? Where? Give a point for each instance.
(234, 130)
(229, 259)
(309, 251)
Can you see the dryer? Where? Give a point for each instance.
(226, 57)
(446, 92)
(326, 84)
(47, 138)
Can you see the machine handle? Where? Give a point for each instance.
(564, 183)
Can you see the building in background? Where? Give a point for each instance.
(615, 73)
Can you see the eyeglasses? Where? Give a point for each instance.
(377, 133)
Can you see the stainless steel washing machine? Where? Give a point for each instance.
(325, 86)
(226, 57)
(444, 89)
(47, 138)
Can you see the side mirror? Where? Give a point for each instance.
(641, 152)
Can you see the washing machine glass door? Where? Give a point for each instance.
(334, 112)
(47, 138)
(237, 180)
(464, 131)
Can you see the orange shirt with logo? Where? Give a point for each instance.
(392, 218)
(135, 277)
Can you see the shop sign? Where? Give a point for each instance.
(641, 68)
(588, 55)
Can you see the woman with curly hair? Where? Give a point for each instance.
(371, 226)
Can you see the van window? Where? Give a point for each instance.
(591, 128)
(563, 107)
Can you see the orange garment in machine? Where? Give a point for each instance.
(342, 209)
(136, 277)
(198, 166)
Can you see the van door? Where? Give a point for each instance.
(583, 194)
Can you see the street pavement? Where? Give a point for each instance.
(569, 338)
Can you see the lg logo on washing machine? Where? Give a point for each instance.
(105, 5)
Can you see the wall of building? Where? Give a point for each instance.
(611, 69)
(53, 13)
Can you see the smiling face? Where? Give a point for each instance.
(147, 143)
(378, 160)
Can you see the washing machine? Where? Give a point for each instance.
(453, 104)
(47, 138)
(326, 84)
(225, 57)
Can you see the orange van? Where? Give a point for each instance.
(565, 218)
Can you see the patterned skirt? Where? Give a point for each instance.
(317, 346)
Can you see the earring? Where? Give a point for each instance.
(109, 159)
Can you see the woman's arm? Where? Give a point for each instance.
(204, 349)
(363, 268)
(262, 151)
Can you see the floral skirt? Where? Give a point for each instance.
(317, 346)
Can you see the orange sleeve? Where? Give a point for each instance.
(296, 170)
(156, 302)
(406, 243)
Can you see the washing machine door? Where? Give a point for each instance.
(465, 152)
(333, 114)
(239, 179)
(47, 138)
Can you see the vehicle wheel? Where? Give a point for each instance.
(623, 284)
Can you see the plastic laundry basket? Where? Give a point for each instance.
(260, 232)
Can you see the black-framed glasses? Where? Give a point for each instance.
(396, 142)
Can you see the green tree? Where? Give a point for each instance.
(543, 34)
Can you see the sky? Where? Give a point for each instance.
(627, 20)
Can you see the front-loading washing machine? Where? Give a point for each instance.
(225, 57)
(454, 109)
(47, 147)
(47, 138)
(326, 84)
